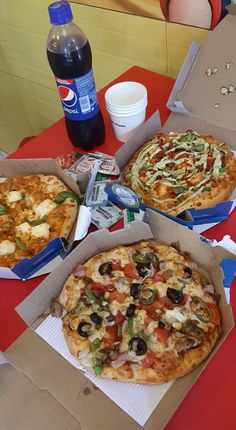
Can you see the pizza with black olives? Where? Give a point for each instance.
(34, 209)
(143, 313)
(182, 170)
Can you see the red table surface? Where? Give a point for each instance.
(210, 403)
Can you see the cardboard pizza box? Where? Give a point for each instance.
(56, 249)
(22, 398)
(51, 372)
(196, 101)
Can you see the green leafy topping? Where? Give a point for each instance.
(37, 222)
(23, 207)
(90, 295)
(2, 208)
(189, 137)
(221, 170)
(199, 148)
(23, 195)
(63, 195)
(97, 366)
(178, 189)
(20, 244)
(95, 345)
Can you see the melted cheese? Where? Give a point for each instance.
(175, 314)
(41, 230)
(7, 247)
(44, 208)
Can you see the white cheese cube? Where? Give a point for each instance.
(14, 196)
(41, 230)
(7, 247)
(25, 227)
(44, 208)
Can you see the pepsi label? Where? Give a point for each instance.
(78, 97)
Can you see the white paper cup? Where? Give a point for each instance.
(125, 125)
(126, 104)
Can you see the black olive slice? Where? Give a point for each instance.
(161, 324)
(138, 345)
(147, 296)
(85, 329)
(105, 268)
(130, 310)
(188, 272)
(96, 318)
(142, 269)
(176, 296)
(134, 290)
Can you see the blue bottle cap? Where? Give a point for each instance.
(60, 12)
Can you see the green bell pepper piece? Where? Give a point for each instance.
(95, 345)
(2, 208)
(97, 366)
(20, 244)
(63, 195)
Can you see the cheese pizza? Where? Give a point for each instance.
(143, 313)
(33, 210)
(182, 170)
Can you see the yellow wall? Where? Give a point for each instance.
(29, 102)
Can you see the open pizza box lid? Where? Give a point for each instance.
(47, 259)
(206, 74)
(94, 402)
(196, 100)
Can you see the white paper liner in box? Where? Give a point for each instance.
(83, 222)
(138, 401)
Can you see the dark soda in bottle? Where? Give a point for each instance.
(70, 58)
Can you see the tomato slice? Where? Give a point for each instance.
(119, 318)
(116, 295)
(149, 360)
(112, 334)
(130, 271)
(161, 334)
(98, 288)
(101, 288)
(159, 278)
(116, 265)
(151, 312)
(164, 302)
(216, 318)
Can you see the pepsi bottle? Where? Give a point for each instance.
(70, 58)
